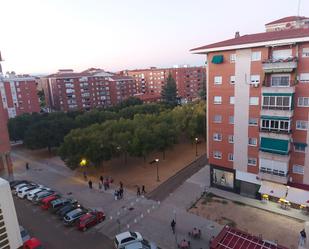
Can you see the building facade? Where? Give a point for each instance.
(9, 229)
(189, 80)
(19, 94)
(257, 112)
(67, 90)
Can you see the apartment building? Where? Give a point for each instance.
(10, 237)
(67, 90)
(188, 80)
(257, 112)
(19, 94)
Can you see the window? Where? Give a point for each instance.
(255, 79)
(282, 54)
(256, 56)
(275, 125)
(217, 154)
(231, 139)
(303, 101)
(252, 141)
(217, 137)
(232, 58)
(232, 79)
(230, 157)
(305, 52)
(253, 121)
(277, 102)
(218, 80)
(304, 78)
(300, 147)
(254, 101)
(298, 169)
(232, 100)
(217, 119)
(252, 161)
(280, 80)
(231, 119)
(217, 100)
(301, 125)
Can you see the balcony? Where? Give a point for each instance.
(279, 83)
(273, 177)
(274, 90)
(280, 65)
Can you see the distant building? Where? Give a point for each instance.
(19, 94)
(189, 80)
(258, 112)
(9, 228)
(290, 22)
(67, 90)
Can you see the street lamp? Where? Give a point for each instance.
(157, 163)
(83, 162)
(196, 141)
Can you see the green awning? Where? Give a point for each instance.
(217, 59)
(301, 144)
(278, 94)
(274, 118)
(272, 145)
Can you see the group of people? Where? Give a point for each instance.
(139, 192)
(118, 194)
(103, 182)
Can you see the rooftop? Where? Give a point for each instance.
(287, 19)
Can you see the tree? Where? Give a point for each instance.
(202, 92)
(41, 96)
(169, 91)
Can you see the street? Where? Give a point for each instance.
(53, 234)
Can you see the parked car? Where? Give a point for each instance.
(144, 244)
(126, 238)
(22, 193)
(33, 243)
(90, 219)
(55, 205)
(17, 182)
(45, 203)
(24, 234)
(37, 199)
(67, 208)
(19, 186)
(34, 192)
(73, 216)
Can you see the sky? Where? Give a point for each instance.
(42, 36)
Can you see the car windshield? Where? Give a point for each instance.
(134, 235)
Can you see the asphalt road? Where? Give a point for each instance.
(53, 234)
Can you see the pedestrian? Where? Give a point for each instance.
(173, 225)
(116, 195)
(143, 189)
(27, 166)
(302, 237)
(121, 193)
(105, 184)
(138, 192)
(85, 175)
(90, 184)
(100, 185)
(121, 184)
(101, 179)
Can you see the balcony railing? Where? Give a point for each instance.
(272, 107)
(274, 130)
(269, 83)
(274, 177)
(280, 65)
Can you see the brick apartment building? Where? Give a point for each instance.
(150, 81)
(257, 111)
(67, 90)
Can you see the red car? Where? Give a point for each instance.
(45, 203)
(33, 243)
(90, 219)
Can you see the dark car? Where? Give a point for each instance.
(67, 208)
(73, 216)
(90, 219)
(55, 205)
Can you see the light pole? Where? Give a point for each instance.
(157, 163)
(83, 164)
(196, 141)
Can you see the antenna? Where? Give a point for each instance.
(298, 8)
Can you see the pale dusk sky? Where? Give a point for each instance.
(42, 36)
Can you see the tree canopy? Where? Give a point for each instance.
(169, 91)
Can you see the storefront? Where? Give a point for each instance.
(222, 178)
(273, 190)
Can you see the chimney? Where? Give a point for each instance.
(237, 34)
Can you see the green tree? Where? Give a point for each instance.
(169, 91)
(42, 100)
(202, 92)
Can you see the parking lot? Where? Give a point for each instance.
(51, 231)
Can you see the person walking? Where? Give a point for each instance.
(121, 184)
(116, 193)
(143, 190)
(100, 186)
(138, 192)
(27, 166)
(173, 225)
(120, 193)
(101, 179)
(302, 237)
(90, 184)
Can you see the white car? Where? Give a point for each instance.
(126, 238)
(20, 187)
(22, 193)
(17, 187)
(35, 191)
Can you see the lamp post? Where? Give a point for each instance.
(157, 164)
(196, 141)
(83, 164)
